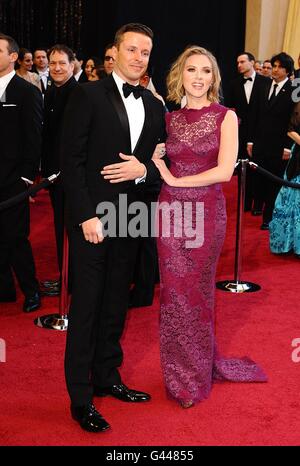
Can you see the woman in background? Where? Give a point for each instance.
(25, 66)
(285, 225)
(97, 73)
(90, 64)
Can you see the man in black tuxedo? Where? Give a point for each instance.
(78, 72)
(243, 97)
(105, 121)
(40, 66)
(61, 65)
(20, 134)
(271, 144)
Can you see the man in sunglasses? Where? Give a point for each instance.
(109, 59)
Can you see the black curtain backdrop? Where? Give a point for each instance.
(42, 23)
(218, 25)
(88, 25)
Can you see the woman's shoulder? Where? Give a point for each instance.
(216, 106)
(224, 112)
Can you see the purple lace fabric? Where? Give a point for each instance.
(189, 356)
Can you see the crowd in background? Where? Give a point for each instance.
(261, 95)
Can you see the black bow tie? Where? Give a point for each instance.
(136, 90)
(247, 79)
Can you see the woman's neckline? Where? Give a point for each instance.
(199, 109)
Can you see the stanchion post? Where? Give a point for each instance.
(60, 321)
(236, 285)
(239, 219)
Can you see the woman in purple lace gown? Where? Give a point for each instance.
(202, 148)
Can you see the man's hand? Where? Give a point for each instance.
(165, 172)
(286, 154)
(92, 230)
(131, 169)
(249, 149)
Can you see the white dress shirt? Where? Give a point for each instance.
(135, 112)
(4, 81)
(279, 87)
(77, 75)
(248, 86)
(136, 116)
(44, 76)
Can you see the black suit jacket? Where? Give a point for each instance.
(270, 137)
(55, 102)
(96, 130)
(49, 80)
(246, 112)
(21, 116)
(82, 78)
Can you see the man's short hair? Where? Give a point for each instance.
(250, 56)
(62, 48)
(132, 27)
(108, 46)
(12, 46)
(79, 55)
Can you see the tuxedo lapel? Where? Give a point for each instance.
(117, 102)
(148, 120)
(281, 96)
(266, 96)
(10, 90)
(242, 98)
(254, 90)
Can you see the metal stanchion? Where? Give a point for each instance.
(59, 321)
(236, 285)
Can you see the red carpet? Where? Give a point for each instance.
(34, 407)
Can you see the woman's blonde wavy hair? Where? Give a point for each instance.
(174, 79)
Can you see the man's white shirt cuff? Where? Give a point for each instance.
(142, 179)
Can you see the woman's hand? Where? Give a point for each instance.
(159, 151)
(165, 172)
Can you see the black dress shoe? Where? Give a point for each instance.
(123, 393)
(264, 226)
(50, 288)
(255, 213)
(89, 418)
(32, 303)
(50, 284)
(53, 291)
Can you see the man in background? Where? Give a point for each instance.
(243, 98)
(109, 58)
(61, 66)
(40, 61)
(78, 72)
(21, 116)
(271, 144)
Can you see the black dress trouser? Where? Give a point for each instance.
(266, 190)
(101, 276)
(15, 249)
